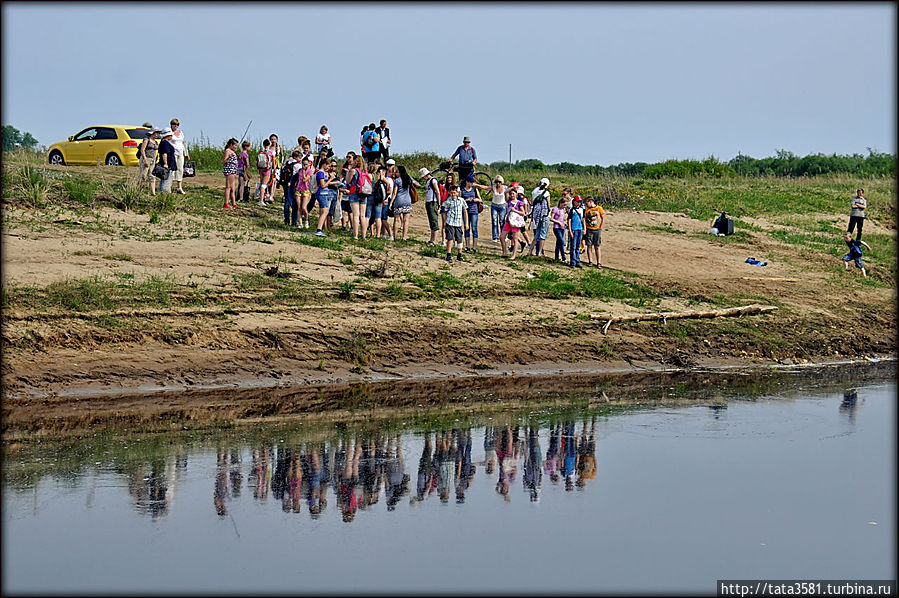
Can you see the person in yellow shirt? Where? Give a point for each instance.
(593, 218)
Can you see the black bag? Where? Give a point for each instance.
(190, 168)
(160, 172)
(724, 224)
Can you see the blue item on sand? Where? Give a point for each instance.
(755, 262)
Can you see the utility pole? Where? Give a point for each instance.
(510, 157)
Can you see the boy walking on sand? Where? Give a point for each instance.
(855, 253)
(594, 216)
(456, 219)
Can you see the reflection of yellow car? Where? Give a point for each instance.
(114, 145)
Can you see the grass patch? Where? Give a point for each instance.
(346, 289)
(438, 284)
(320, 242)
(593, 284)
(665, 229)
(355, 350)
(122, 257)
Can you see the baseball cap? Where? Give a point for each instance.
(578, 198)
(391, 162)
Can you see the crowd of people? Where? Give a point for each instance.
(361, 470)
(161, 158)
(371, 195)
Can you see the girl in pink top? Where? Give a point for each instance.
(304, 180)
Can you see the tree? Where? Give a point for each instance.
(13, 138)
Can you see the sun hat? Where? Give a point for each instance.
(466, 139)
(391, 162)
(544, 181)
(166, 132)
(423, 171)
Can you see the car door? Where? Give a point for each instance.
(105, 142)
(81, 147)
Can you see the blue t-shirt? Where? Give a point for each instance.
(366, 140)
(469, 195)
(321, 176)
(855, 248)
(466, 156)
(577, 219)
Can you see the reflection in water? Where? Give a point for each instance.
(849, 403)
(152, 486)
(360, 467)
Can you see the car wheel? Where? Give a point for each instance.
(113, 160)
(56, 159)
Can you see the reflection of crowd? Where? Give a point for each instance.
(152, 485)
(362, 468)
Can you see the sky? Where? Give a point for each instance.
(602, 83)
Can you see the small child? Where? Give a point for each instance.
(855, 253)
(594, 216)
(456, 219)
(243, 170)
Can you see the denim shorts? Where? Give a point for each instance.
(355, 198)
(373, 209)
(325, 196)
(541, 230)
(384, 211)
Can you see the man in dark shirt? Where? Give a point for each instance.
(384, 133)
(468, 157)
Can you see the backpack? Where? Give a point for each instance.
(365, 186)
(441, 191)
(263, 160)
(286, 173)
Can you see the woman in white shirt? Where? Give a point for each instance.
(498, 207)
(322, 143)
(181, 155)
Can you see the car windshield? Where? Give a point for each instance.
(138, 133)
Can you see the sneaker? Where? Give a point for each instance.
(578, 266)
(431, 244)
(393, 238)
(449, 258)
(459, 258)
(319, 233)
(262, 203)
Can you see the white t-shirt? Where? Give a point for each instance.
(499, 199)
(177, 141)
(321, 141)
(537, 192)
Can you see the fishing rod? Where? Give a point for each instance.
(245, 132)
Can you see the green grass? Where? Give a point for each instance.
(439, 283)
(87, 294)
(592, 283)
(122, 257)
(320, 242)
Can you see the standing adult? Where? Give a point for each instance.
(180, 153)
(147, 155)
(166, 157)
(371, 144)
(392, 175)
(384, 134)
(322, 145)
(468, 157)
(402, 200)
(432, 202)
(326, 193)
(498, 207)
(857, 213)
(277, 153)
(539, 216)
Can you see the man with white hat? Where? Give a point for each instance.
(432, 202)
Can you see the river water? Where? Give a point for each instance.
(579, 497)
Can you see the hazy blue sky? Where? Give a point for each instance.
(587, 83)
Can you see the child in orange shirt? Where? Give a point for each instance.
(593, 219)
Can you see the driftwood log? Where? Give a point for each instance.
(670, 315)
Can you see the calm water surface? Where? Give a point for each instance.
(793, 485)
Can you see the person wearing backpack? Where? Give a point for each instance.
(353, 180)
(264, 166)
(432, 203)
(371, 144)
(287, 181)
(375, 205)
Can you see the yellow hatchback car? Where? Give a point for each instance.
(113, 145)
